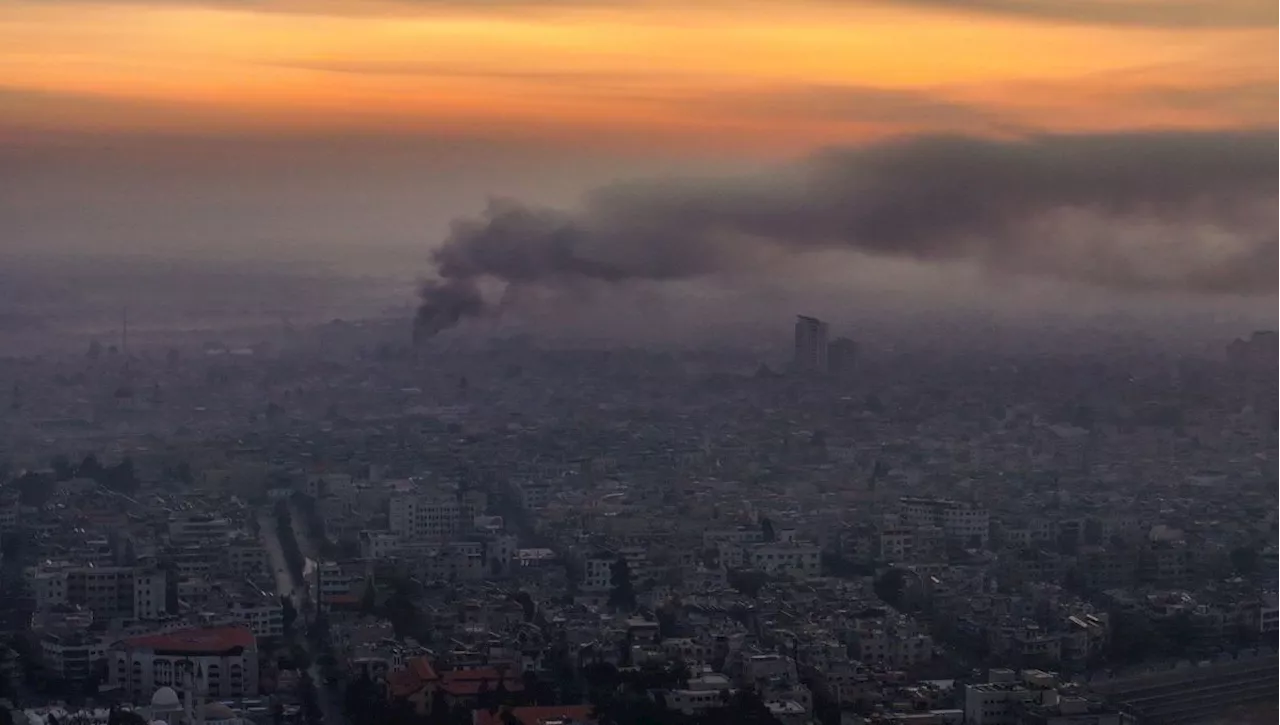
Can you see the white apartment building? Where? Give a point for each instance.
(107, 590)
(896, 544)
(265, 619)
(598, 573)
(9, 516)
(49, 588)
(758, 668)
(957, 519)
(247, 559)
(337, 580)
(533, 494)
(197, 528)
(732, 536)
(72, 656)
(796, 559)
(995, 702)
(378, 544)
(149, 595)
(226, 657)
(705, 692)
(414, 517)
(327, 484)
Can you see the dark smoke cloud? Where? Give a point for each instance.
(444, 303)
(1188, 213)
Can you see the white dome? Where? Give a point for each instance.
(165, 699)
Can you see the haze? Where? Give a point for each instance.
(350, 134)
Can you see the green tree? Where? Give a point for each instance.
(623, 594)
(1245, 560)
(62, 468)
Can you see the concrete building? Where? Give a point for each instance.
(149, 595)
(810, 345)
(959, 520)
(107, 590)
(72, 656)
(197, 528)
(598, 572)
(49, 588)
(415, 517)
(227, 656)
(377, 544)
(796, 559)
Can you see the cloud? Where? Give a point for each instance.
(1192, 213)
(1140, 13)
(858, 105)
(1144, 13)
(1249, 99)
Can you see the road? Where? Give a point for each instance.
(299, 592)
(286, 584)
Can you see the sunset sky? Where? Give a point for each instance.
(782, 75)
(544, 98)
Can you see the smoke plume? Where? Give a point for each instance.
(444, 304)
(1190, 213)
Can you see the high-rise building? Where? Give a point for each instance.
(811, 345)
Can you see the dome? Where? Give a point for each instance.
(165, 699)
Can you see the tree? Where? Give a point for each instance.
(288, 614)
(747, 581)
(62, 468)
(33, 489)
(623, 595)
(90, 467)
(120, 477)
(891, 586)
(526, 604)
(1245, 560)
(766, 529)
(369, 599)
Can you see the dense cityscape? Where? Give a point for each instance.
(349, 530)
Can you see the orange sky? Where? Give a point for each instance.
(785, 75)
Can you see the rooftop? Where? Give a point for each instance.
(200, 641)
(538, 715)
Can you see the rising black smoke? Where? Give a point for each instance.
(444, 303)
(1191, 212)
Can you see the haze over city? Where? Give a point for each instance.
(353, 135)
(639, 362)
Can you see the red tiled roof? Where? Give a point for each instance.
(535, 715)
(403, 683)
(196, 641)
(474, 673)
(416, 675)
(467, 688)
(422, 668)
